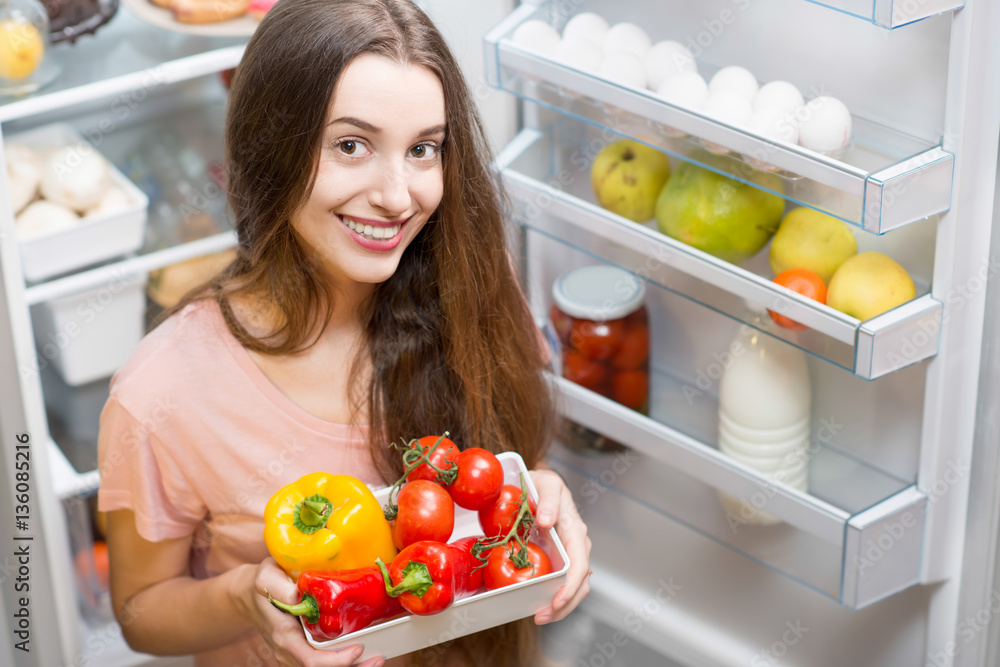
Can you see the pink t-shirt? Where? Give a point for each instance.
(195, 439)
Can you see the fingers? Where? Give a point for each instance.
(550, 493)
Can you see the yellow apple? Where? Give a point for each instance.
(869, 284)
(808, 239)
(627, 178)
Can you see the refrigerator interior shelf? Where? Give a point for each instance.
(66, 481)
(884, 181)
(856, 536)
(565, 211)
(892, 13)
(126, 61)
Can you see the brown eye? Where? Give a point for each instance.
(348, 147)
(419, 151)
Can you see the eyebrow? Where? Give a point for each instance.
(368, 127)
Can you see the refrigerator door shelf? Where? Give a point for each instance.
(883, 180)
(564, 210)
(826, 539)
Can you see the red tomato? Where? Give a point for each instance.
(638, 317)
(498, 519)
(805, 282)
(634, 350)
(443, 457)
(426, 512)
(479, 481)
(501, 571)
(630, 388)
(584, 372)
(597, 340)
(475, 579)
(562, 323)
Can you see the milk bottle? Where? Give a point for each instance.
(764, 407)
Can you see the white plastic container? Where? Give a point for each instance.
(95, 238)
(406, 634)
(765, 402)
(90, 335)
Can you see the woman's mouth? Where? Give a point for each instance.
(370, 232)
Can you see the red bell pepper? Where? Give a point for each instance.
(427, 576)
(340, 602)
(475, 579)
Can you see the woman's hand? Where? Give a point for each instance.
(556, 508)
(284, 632)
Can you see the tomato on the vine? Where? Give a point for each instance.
(805, 282)
(479, 481)
(498, 519)
(426, 512)
(597, 340)
(501, 571)
(445, 456)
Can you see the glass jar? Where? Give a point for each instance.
(25, 64)
(603, 330)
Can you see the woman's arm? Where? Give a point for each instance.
(161, 608)
(164, 611)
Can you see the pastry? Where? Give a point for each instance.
(208, 11)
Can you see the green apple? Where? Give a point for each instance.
(808, 239)
(717, 214)
(869, 284)
(627, 178)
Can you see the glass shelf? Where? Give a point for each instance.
(126, 58)
(892, 14)
(885, 180)
(552, 195)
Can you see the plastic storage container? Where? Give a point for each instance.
(90, 335)
(406, 634)
(94, 238)
(603, 330)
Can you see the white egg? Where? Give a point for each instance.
(627, 37)
(587, 25)
(578, 52)
(775, 123)
(734, 79)
(43, 217)
(24, 172)
(666, 59)
(114, 200)
(729, 107)
(623, 68)
(686, 89)
(779, 94)
(537, 36)
(825, 125)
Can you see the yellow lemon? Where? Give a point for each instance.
(21, 49)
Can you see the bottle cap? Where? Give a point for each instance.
(598, 293)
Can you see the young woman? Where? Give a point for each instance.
(372, 298)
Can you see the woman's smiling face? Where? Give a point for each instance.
(380, 175)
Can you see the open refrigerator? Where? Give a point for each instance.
(887, 559)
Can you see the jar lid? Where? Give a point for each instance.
(598, 293)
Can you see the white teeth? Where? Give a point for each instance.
(371, 231)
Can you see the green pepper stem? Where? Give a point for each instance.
(312, 513)
(416, 579)
(307, 607)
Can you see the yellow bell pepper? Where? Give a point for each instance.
(326, 522)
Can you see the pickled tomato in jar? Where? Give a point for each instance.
(603, 329)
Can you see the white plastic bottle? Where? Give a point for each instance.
(765, 402)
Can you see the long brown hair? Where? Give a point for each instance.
(449, 338)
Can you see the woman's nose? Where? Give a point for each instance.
(391, 192)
